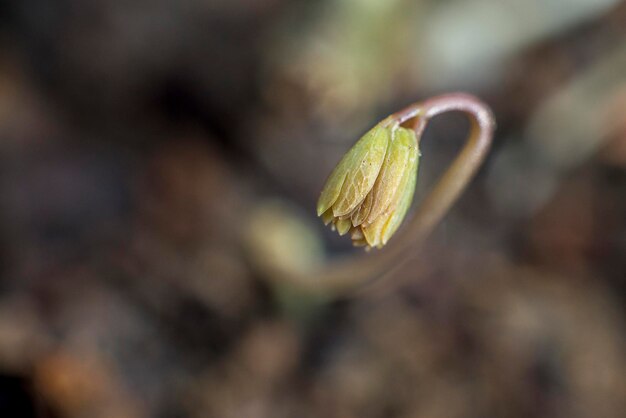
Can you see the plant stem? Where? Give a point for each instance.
(350, 274)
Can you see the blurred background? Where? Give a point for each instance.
(158, 158)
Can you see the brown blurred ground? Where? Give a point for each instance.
(155, 155)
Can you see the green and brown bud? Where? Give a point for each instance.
(371, 189)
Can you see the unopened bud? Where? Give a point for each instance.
(370, 191)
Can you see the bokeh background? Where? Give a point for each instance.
(158, 156)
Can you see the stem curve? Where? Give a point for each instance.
(347, 275)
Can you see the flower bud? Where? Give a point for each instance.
(371, 189)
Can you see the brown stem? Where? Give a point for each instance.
(347, 275)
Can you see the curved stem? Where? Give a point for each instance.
(348, 274)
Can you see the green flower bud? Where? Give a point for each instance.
(371, 189)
